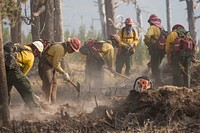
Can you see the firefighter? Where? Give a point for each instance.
(17, 76)
(180, 49)
(156, 51)
(129, 40)
(50, 63)
(97, 53)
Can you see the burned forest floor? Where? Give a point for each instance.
(115, 107)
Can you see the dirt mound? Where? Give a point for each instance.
(168, 108)
(195, 76)
(163, 106)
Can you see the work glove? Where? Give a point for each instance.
(66, 76)
(131, 49)
(193, 59)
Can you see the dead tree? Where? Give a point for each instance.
(110, 16)
(102, 17)
(4, 110)
(47, 21)
(139, 19)
(58, 25)
(35, 19)
(168, 13)
(58, 28)
(191, 6)
(16, 23)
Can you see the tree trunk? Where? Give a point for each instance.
(168, 11)
(191, 19)
(4, 110)
(35, 27)
(59, 32)
(110, 14)
(16, 24)
(47, 21)
(139, 21)
(102, 18)
(58, 27)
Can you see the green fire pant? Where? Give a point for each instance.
(181, 70)
(123, 58)
(49, 82)
(94, 72)
(156, 60)
(20, 82)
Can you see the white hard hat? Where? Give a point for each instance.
(38, 45)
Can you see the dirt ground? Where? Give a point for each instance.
(114, 107)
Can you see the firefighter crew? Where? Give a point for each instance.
(17, 77)
(129, 40)
(97, 53)
(50, 63)
(180, 49)
(157, 53)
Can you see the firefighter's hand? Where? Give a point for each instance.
(66, 76)
(193, 59)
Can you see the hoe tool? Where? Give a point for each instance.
(118, 74)
(77, 87)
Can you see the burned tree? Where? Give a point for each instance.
(110, 16)
(4, 110)
(191, 6)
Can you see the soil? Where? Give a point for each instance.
(116, 108)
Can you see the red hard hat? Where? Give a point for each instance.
(75, 44)
(128, 21)
(176, 26)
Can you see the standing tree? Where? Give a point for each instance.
(58, 25)
(35, 19)
(110, 17)
(4, 110)
(47, 21)
(15, 20)
(168, 12)
(58, 28)
(191, 6)
(102, 17)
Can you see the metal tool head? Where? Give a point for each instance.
(78, 88)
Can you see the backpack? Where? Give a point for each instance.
(161, 41)
(92, 48)
(134, 33)
(10, 55)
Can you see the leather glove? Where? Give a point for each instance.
(66, 76)
(193, 59)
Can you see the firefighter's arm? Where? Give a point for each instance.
(27, 67)
(169, 46)
(147, 37)
(57, 62)
(170, 42)
(136, 39)
(25, 60)
(108, 50)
